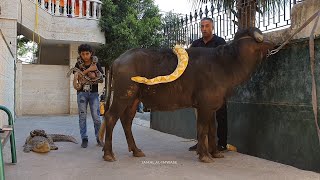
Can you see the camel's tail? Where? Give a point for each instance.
(103, 126)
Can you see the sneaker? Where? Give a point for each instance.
(99, 143)
(231, 148)
(193, 148)
(84, 143)
(140, 111)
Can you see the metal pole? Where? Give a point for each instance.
(12, 143)
(12, 137)
(2, 176)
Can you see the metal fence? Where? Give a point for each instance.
(186, 28)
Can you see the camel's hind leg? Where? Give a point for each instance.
(123, 96)
(126, 121)
(107, 126)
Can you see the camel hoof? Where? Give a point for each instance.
(206, 159)
(109, 158)
(217, 155)
(139, 154)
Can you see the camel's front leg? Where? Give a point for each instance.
(212, 138)
(204, 116)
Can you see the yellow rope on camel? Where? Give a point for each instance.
(181, 67)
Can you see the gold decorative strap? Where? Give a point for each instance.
(181, 67)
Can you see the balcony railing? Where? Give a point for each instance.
(89, 9)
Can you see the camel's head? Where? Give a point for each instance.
(254, 40)
(255, 33)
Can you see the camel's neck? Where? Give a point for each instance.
(244, 73)
(245, 64)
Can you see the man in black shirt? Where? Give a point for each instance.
(88, 94)
(210, 40)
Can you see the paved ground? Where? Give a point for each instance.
(143, 116)
(166, 157)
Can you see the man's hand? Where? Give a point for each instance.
(92, 75)
(92, 68)
(77, 81)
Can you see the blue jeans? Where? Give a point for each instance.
(83, 98)
(140, 107)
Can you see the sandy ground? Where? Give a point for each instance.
(167, 157)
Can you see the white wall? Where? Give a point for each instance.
(44, 90)
(59, 27)
(8, 22)
(34, 91)
(301, 12)
(8, 43)
(73, 93)
(6, 78)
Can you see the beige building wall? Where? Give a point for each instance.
(301, 12)
(18, 89)
(44, 90)
(8, 43)
(8, 22)
(53, 54)
(35, 93)
(73, 93)
(7, 62)
(9, 30)
(59, 28)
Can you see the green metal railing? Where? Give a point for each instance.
(12, 143)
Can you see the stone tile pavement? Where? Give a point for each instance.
(167, 157)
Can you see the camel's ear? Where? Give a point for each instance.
(258, 36)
